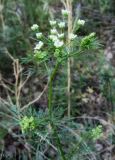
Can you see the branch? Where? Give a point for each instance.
(37, 99)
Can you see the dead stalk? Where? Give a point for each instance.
(70, 21)
(17, 76)
(1, 16)
(37, 99)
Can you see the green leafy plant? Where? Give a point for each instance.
(54, 132)
(58, 49)
(27, 123)
(97, 133)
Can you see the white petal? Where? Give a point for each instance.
(34, 27)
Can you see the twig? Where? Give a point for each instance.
(37, 99)
(64, 3)
(16, 67)
(6, 87)
(4, 101)
(24, 82)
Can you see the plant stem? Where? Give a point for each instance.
(58, 141)
(50, 110)
(50, 89)
(69, 8)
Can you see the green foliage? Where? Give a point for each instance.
(40, 55)
(60, 54)
(89, 42)
(27, 123)
(97, 133)
(105, 5)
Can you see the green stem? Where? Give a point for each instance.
(50, 89)
(58, 141)
(50, 111)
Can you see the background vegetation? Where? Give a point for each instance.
(25, 133)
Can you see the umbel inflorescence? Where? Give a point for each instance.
(58, 39)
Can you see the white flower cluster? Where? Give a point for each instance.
(72, 36)
(61, 25)
(34, 27)
(58, 43)
(39, 35)
(56, 37)
(65, 12)
(53, 37)
(53, 23)
(54, 31)
(38, 46)
(80, 22)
